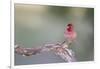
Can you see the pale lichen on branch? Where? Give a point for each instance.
(60, 49)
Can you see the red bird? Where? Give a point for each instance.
(70, 33)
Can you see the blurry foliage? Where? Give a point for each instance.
(58, 10)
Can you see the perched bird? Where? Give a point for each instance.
(70, 33)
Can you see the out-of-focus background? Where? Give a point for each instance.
(36, 25)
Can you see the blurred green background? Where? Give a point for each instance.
(36, 25)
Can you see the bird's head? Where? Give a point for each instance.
(69, 27)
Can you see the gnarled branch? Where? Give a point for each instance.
(60, 49)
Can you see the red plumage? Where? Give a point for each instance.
(70, 33)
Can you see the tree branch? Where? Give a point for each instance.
(60, 49)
